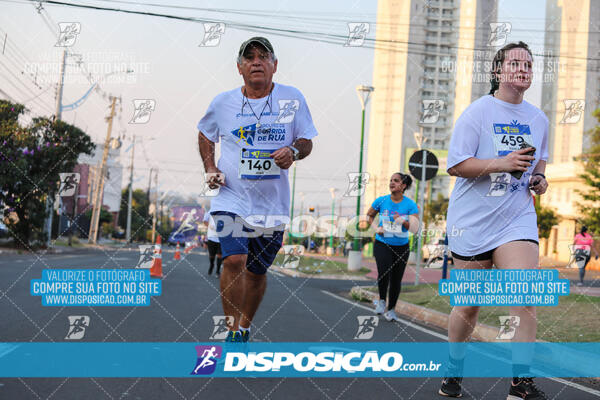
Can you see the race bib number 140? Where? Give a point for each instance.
(258, 164)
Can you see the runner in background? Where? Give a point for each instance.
(583, 244)
(391, 248)
(212, 245)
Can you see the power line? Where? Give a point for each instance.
(317, 16)
(322, 37)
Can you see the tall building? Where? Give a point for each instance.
(428, 68)
(569, 97)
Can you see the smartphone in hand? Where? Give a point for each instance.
(523, 145)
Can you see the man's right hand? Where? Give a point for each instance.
(214, 178)
(516, 161)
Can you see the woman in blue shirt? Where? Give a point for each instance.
(396, 213)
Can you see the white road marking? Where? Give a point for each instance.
(405, 322)
(444, 337)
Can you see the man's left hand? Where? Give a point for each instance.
(284, 157)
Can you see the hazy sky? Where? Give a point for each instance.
(171, 68)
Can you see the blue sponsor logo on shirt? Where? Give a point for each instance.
(267, 133)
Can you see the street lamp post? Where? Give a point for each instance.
(332, 190)
(364, 93)
(292, 205)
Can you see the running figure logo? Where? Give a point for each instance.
(77, 326)
(68, 181)
(146, 256)
(357, 183)
(292, 254)
(287, 111)
(245, 133)
(207, 359)
(508, 327)
(366, 326)
(357, 33)
(142, 110)
(431, 111)
(68, 32)
(221, 329)
(212, 34)
(499, 32)
(188, 222)
(573, 111)
(499, 182)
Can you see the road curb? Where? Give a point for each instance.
(482, 332)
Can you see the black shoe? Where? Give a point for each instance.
(525, 389)
(451, 387)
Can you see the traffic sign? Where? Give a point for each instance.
(423, 160)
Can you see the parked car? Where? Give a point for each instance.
(3, 230)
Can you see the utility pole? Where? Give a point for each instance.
(57, 116)
(74, 218)
(155, 207)
(59, 89)
(99, 179)
(130, 195)
(149, 186)
(292, 205)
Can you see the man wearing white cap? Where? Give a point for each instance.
(263, 127)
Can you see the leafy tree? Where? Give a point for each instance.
(547, 218)
(140, 220)
(105, 216)
(435, 210)
(31, 157)
(590, 206)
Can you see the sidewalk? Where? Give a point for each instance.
(433, 275)
(426, 275)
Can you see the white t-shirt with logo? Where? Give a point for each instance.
(493, 209)
(255, 188)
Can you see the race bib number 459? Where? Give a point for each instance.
(258, 164)
(508, 137)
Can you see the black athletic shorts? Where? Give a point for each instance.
(487, 255)
(214, 248)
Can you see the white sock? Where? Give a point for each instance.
(242, 329)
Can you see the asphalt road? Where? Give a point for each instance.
(294, 309)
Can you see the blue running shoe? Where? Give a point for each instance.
(234, 337)
(245, 336)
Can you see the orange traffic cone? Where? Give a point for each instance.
(177, 252)
(187, 248)
(156, 269)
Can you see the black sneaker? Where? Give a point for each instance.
(451, 387)
(525, 389)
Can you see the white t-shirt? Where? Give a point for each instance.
(493, 209)
(255, 188)
(211, 232)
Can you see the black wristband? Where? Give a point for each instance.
(540, 174)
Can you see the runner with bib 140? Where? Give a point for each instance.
(263, 127)
(498, 153)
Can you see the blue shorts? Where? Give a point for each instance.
(261, 250)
